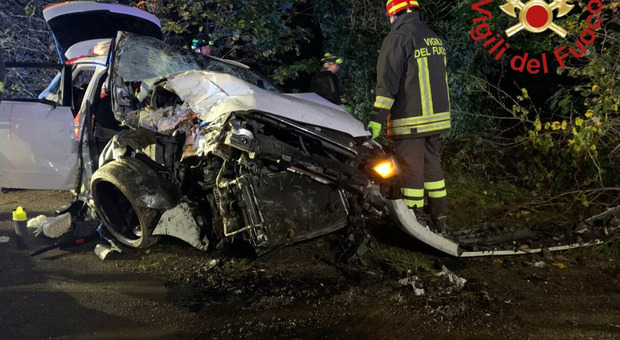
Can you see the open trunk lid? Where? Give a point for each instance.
(73, 22)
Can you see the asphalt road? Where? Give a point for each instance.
(173, 291)
(72, 294)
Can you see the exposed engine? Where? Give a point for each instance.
(250, 174)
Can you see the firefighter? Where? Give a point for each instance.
(412, 104)
(202, 45)
(325, 83)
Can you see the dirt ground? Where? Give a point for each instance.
(172, 291)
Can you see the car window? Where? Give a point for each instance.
(141, 58)
(27, 82)
(81, 78)
(52, 92)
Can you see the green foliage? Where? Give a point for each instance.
(610, 248)
(292, 71)
(401, 261)
(354, 29)
(578, 146)
(261, 33)
(497, 200)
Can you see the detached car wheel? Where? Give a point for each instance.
(129, 197)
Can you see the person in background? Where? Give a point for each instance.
(325, 83)
(202, 45)
(412, 92)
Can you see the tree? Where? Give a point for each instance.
(265, 34)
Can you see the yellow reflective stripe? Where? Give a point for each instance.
(435, 185)
(437, 194)
(384, 102)
(425, 87)
(414, 204)
(420, 119)
(407, 130)
(434, 127)
(422, 84)
(396, 8)
(1, 86)
(412, 192)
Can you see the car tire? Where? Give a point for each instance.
(112, 189)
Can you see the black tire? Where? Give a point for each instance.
(114, 195)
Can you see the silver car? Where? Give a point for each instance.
(164, 141)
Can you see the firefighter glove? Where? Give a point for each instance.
(375, 129)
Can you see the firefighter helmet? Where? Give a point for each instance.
(394, 6)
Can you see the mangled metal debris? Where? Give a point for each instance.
(180, 223)
(445, 282)
(498, 242)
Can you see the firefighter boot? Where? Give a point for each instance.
(422, 218)
(438, 208)
(440, 223)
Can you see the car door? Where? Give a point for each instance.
(38, 146)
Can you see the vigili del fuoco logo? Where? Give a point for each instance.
(534, 16)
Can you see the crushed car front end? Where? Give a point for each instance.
(214, 152)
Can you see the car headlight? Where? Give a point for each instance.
(384, 168)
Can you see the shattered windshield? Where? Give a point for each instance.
(141, 58)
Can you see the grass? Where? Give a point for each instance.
(474, 200)
(477, 201)
(401, 260)
(610, 248)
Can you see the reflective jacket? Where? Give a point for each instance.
(326, 84)
(412, 83)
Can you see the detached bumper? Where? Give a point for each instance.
(406, 220)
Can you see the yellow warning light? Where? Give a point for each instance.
(385, 168)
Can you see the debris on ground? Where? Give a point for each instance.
(444, 283)
(52, 227)
(103, 251)
(415, 283)
(449, 281)
(80, 233)
(537, 264)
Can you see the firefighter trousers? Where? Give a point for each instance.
(422, 176)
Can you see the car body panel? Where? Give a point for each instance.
(39, 146)
(30, 161)
(212, 95)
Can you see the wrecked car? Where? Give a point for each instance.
(213, 150)
(159, 140)
(163, 141)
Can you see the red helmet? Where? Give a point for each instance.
(394, 6)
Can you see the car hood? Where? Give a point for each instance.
(78, 21)
(212, 94)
